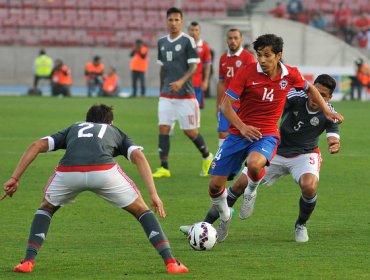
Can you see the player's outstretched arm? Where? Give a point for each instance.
(142, 165)
(317, 98)
(333, 144)
(39, 146)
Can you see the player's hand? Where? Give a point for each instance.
(11, 186)
(251, 133)
(175, 86)
(204, 85)
(334, 117)
(157, 205)
(334, 146)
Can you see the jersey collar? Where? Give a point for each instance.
(284, 70)
(229, 54)
(173, 40)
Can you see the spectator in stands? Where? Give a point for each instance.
(112, 84)
(361, 80)
(61, 79)
(139, 66)
(342, 18)
(43, 66)
(362, 25)
(295, 9)
(94, 75)
(279, 11)
(318, 21)
(200, 78)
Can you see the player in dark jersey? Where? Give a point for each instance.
(230, 62)
(298, 154)
(178, 58)
(262, 89)
(88, 164)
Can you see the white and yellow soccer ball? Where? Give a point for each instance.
(202, 236)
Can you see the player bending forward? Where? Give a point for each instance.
(88, 164)
(298, 154)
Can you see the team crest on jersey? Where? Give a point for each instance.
(283, 84)
(238, 63)
(177, 47)
(314, 121)
(162, 49)
(295, 113)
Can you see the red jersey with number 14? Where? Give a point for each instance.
(262, 100)
(231, 63)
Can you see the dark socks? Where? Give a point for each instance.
(306, 207)
(38, 232)
(156, 235)
(201, 145)
(164, 149)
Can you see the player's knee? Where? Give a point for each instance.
(308, 187)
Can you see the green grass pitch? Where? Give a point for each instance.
(93, 240)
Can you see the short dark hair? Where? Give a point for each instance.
(234, 30)
(174, 10)
(42, 51)
(327, 81)
(100, 113)
(267, 40)
(194, 23)
(96, 58)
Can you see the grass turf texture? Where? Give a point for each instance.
(92, 240)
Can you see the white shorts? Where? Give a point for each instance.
(113, 185)
(296, 166)
(185, 111)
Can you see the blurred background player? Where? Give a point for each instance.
(88, 164)
(61, 79)
(262, 89)
(361, 80)
(178, 59)
(201, 76)
(298, 154)
(139, 66)
(43, 65)
(111, 85)
(229, 64)
(94, 75)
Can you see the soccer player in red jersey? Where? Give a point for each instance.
(262, 88)
(201, 76)
(230, 63)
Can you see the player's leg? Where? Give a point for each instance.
(155, 234)
(142, 83)
(305, 170)
(228, 160)
(90, 86)
(56, 194)
(134, 78)
(189, 122)
(166, 116)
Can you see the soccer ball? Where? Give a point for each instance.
(202, 236)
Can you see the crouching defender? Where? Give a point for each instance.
(298, 154)
(88, 164)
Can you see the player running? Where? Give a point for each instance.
(298, 154)
(262, 89)
(88, 164)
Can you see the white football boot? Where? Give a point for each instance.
(247, 206)
(223, 228)
(185, 230)
(301, 233)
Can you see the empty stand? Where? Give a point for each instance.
(100, 23)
